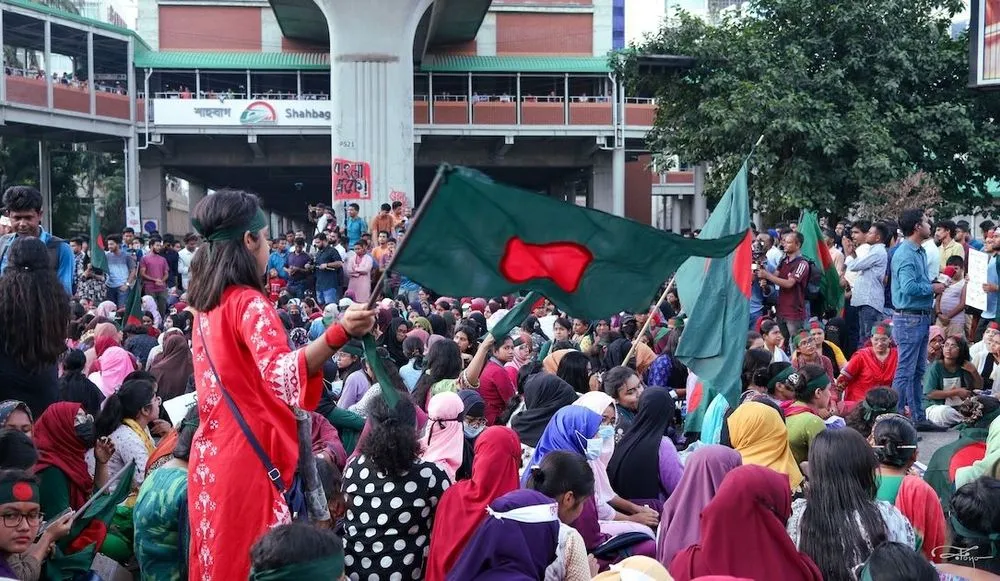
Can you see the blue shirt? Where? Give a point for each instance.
(356, 226)
(67, 263)
(119, 267)
(757, 294)
(992, 277)
(277, 262)
(911, 286)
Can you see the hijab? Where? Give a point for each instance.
(634, 470)
(173, 367)
(423, 323)
(116, 363)
(463, 506)
(568, 430)
(480, 320)
(544, 395)
(637, 568)
(743, 532)
(438, 326)
(553, 359)
(758, 434)
(445, 437)
(711, 424)
(105, 335)
(107, 309)
(149, 304)
(597, 402)
(618, 350)
(504, 548)
(392, 343)
(475, 406)
(9, 406)
(419, 333)
(679, 521)
(418, 308)
(59, 446)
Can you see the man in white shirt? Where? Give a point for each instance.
(184, 258)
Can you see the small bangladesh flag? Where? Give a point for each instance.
(133, 304)
(814, 248)
(98, 259)
(476, 237)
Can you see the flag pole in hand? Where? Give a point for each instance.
(645, 326)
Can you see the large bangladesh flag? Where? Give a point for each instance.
(814, 248)
(715, 293)
(476, 237)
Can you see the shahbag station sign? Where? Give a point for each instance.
(241, 112)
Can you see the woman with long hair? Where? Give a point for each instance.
(74, 385)
(390, 485)
(173, 368)
(463, 505)
(413, 350)
(948, 382)
(243, 365)
(494, 384)
(894, 440)
(443, 370)
(162, 530)
(34, 314)
(805, 416)
(645, 468)
(681, 517)
(467, 339)
(840, 521)
(574, 369)
(742, 532)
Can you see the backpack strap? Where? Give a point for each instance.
(272, 472)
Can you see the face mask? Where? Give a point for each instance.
(606, 432)
(336, 387)
(87, 434)
(594, 446)
(472, 431)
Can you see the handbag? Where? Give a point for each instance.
(294, 495)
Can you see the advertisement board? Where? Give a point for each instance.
(984, 38)
(241, 112)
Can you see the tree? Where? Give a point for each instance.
(848, 96)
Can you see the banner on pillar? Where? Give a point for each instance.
(132, 219)
(351, 180)
(242, 112)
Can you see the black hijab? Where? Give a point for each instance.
(616, 352)
(438, 325)
(544, 395)
(392, 343)
(480, 321)
(634, 470)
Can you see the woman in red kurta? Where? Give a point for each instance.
(868, 368)
(231, 500)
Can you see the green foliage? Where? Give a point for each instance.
(848, 96)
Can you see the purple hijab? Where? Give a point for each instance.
(681, 516)
(507, 550)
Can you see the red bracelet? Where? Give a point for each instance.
(335, 336)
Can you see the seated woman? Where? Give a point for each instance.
(645, 467)
(897, 562)
(616, 514)
(624, 385)
(20, 514)
(808, 353)
(758, 433)
(987, 363)
(839, 521)
(463, 506)
(63, 434)
(869, 367)
(297, 551)
(773, 377)
(773, 341)
(978, 413)
(74, 385)
(974, 525)
(444, 370)
(518, 541)
(949, 382)
(544, 395)
(160, 513)
(681, 518)
(881, 400)
(115, 364)
(828, 348)
(894, 440)
(743, 532)
(388, 484)
(566, 478)
(805, 415)
(444, 443)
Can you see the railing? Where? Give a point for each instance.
(32, 90)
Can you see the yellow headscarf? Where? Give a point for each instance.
(649, 568)
(758, 434)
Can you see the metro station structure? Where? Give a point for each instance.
(273, 96)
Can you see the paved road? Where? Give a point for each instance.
(931, 441)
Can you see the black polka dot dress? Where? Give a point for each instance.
(388, 524)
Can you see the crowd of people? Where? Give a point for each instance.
(557, 451)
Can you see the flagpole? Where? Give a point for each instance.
(431, 190)
(649, 317)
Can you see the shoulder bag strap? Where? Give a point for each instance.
(272, 472)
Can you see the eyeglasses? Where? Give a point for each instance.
(475, 423)
(13, 519)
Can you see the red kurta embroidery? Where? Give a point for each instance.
(231, 501)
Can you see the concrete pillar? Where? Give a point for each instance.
(45, 183)
(152, 198)
(618, 181)
(196, 193)
(675, 214)
(372, 77)
(700, 209)
(274, 223)
(602, 183)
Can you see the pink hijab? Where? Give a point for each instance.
(597, 402)
(445, 438)
(116, 363)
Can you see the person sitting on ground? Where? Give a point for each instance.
(869, 367)
(978, 413)
(20, 513)
(17, 451)
(805, 416)
(297, 551)
(897, 562)
(949, 382)
(881, 400)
